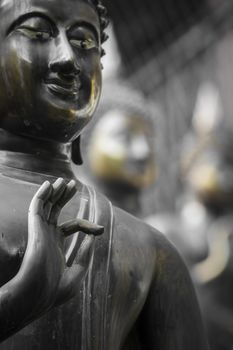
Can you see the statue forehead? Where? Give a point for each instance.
(58, 10)
(8, 3)
(58, 5)
(120, 120)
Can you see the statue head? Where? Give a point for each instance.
(120, 149)
(206, 156)
(209, 174)
(50, 70)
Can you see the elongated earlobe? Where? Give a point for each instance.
(76, 155)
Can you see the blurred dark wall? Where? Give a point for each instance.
(168, 49)
(144, 28)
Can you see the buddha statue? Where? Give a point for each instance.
(64, 283)
(118, 147)
(210, 178)
(204, 214)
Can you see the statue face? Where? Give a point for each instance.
(50, 74)
(122, 150)
(210, 175)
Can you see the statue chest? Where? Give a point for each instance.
(15, 199)
(99, 318)
(84, 323)
(14, 203)
(106, 308)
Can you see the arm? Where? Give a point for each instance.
(43, 279)
(171, 318)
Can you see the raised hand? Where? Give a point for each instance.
(44, 279)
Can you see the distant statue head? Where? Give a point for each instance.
(207, 161)
(210, 175)
(120, 147)
(50, 70)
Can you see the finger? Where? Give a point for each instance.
(73, 226)
(61, 202)
(59, 187)
(37, 203)
(68, 194)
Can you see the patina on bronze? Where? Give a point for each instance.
(137, 293)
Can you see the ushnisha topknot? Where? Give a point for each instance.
(104, 21)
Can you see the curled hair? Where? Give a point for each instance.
(104, 21)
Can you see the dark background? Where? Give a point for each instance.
(168, 49)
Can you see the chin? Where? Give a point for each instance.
(46, 119)
(59, 124)
(61, 131)
(55, 129)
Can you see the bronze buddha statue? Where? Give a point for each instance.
(125, 289)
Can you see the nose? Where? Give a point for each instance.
(64, 62)
(140, 148)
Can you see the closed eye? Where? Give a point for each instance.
(85, 44)
(34, 26)
(33, 33)
(83, 36)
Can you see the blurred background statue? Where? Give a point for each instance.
(204, 214)
(208, 173)
(119, 146)
(184, 50)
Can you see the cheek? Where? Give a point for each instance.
(12, 78)
(20, 78)
(92, 69)
(21, 49)
(28, 58)
(91, 85)
(21, 65)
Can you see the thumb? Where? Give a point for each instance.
(73, 276)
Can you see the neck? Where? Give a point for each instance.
(35, 156)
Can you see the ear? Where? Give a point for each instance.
(76, 151)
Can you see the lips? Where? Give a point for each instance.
(67, 90)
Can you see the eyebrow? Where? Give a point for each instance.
(29, 15)
(26, 16)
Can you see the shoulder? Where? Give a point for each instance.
(136, 238)
(133, 238)
(148, 244)
(133, 229)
